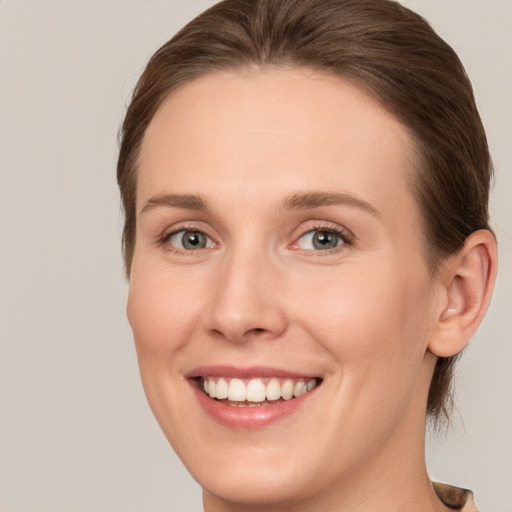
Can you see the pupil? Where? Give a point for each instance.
(325, 240)
(194, 240)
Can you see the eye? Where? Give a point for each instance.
(321, 240)
(189, 240)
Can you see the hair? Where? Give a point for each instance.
(380, 46)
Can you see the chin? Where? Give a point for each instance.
(275, 466)
(262, 483)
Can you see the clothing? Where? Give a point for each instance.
(455, 498)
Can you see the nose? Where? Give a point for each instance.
(246, 300)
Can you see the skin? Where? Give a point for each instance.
(363, 316)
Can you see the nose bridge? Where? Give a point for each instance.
(245, 298)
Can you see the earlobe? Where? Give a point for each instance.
(468, 279)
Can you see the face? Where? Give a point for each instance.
(279, 252)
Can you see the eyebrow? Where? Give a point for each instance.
(184, 201)
(306, 200)
(297, 201)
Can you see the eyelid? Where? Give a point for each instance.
(181, 234)
(164, 237)
(346, 235)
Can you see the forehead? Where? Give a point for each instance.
(265, 132)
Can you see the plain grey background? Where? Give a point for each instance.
(76, 433)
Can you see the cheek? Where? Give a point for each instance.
(163, 310)
(368, 316)
(374, 326)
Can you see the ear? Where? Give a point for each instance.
(467, 284)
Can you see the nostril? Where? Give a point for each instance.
(256, 332)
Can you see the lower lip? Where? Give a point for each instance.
(248, 418)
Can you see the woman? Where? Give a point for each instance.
(305, 184)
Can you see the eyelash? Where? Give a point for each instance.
(345, 236)
(164, 239)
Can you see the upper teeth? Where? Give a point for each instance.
(255, 390)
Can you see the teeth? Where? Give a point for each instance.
(237, 391)
(255, 391)
(299, 389)
(211, 388)
(273, 390)
(221, 390)
(287, 389)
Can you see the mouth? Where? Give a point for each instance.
(251, 398)
(255, 392)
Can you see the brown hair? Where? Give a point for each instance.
(381, 46)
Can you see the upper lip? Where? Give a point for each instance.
(247, 372)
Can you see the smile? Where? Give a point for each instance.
(251, 398)
(255, 392)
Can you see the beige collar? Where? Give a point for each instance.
(455, 497)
